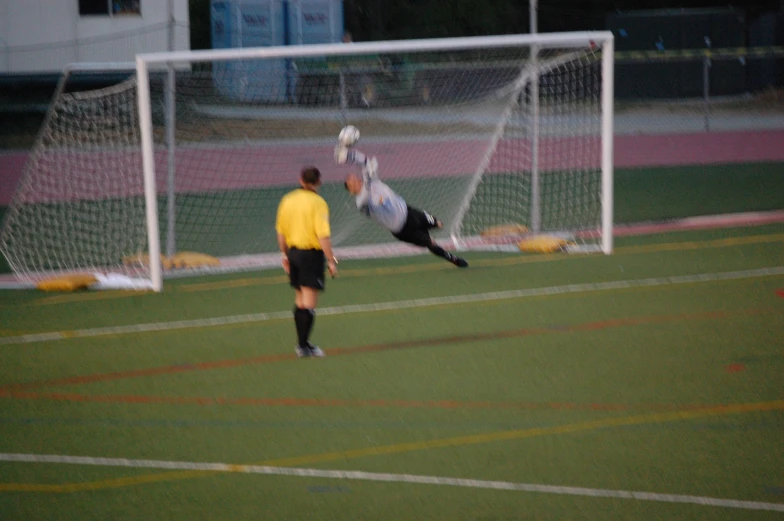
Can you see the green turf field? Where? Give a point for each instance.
(237, 222)
(552, 382)
(642, 385)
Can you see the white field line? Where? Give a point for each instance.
(394, 478)
(394, 305)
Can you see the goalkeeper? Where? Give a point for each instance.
(378, 201)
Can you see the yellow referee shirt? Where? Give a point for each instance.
(303, 219)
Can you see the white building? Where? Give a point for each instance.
(42, 36)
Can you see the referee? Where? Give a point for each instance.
(303, 231)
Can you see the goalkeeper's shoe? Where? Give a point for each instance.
(457, 261)
(461, 263)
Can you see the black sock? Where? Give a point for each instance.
(441, 252)
(303, 319)
(302, 328)
(310, 317)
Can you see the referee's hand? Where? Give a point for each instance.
(284, 261)
(332, 266)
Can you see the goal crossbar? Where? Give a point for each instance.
(549, 40)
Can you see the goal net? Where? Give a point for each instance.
(499, 137)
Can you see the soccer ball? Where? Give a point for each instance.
(349, 136)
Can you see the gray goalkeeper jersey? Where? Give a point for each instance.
(381, 203)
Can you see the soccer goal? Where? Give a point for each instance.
(503, 138)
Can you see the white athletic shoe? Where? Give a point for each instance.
(316, 351)
(302, 352)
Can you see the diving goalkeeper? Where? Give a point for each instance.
(379, 202)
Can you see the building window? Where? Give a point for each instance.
(126, 7)
(93, 7)
(109, 7)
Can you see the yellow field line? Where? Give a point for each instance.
(419, 268)
(399, 448)
(81, 297)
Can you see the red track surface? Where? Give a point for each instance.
(207, 169)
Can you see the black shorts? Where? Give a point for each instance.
(417, 228)
(306, 268)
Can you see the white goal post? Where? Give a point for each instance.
(197, 147)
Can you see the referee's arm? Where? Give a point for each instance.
(323, 233)
(326, 247)
(282, 244)
(284, 251)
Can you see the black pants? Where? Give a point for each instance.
(417, 228)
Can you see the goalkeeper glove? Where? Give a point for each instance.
(341, 154)
(371, 167)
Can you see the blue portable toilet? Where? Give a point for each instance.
(240, 24)
(264, 23)
(315, 21)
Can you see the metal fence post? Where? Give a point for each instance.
(343, 97)
(170, 124)
(706, 64)
(6, 55)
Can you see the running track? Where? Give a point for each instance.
(207, 169)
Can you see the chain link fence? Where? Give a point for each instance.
(706, 90)
(656, 92)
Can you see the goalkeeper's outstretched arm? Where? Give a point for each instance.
(345, 155)
(357, 158)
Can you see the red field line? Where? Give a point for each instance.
(325, 402)
(338, 351)
(152, 371)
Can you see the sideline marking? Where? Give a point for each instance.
(372, 476)
(393, 305)
(186, 470)
(12, 390)
(417, 268)
(506, 261)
